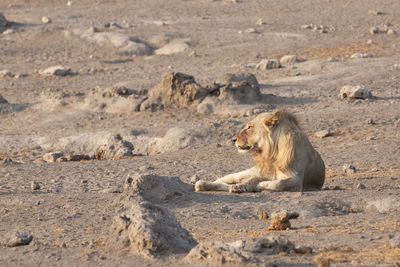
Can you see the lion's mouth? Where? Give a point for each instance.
(245, 147)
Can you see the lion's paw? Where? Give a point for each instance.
(237, 188)
(200, 186)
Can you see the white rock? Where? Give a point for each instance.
(268, 64)
(322, 133)
(52, 156)
(6, 73)
(9, 31)
(58, 70)
(357, 55)
(176, 46)
(46, 20)
(357, 92)
(348, 168)
(391, 32)
(70, 3)
(288, 60)
(374, 30)
(260, 22)
(251, 30)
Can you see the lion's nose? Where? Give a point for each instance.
(234, 139)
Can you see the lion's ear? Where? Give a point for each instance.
(273, 120)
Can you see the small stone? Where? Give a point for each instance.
(391, 32)
(251, 30)
(70, 3)
(281, 221)
(355, 92)
(375, 170)
(260, 22)
(348, 168)
(9, 31)
(374, 30)
(303, 250)
(6, 74)
(360, 186)
(356, 55)
(21, 75)
(323, 133)
(17, 239)
(266, 64)
(52, 156)
(374, 12)
(370, 41)
(306, 27)
(370, 121)
(46, 20)
(288, 60)
(35, 185)
(111, 191)
(58, 70)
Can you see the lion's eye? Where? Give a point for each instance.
(249, 126)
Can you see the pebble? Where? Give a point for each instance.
(374, 12)
(391, 32)
(374, 30)
(260, 22)
(46, 20)
(17, 239)
(360, 186)
(9, 31)
(111, 191)
(356, 55)
(266, 64)
(58, 70)
(323, 133)
(35, 185)
(348, 168)
(70, 3)
(251, 30)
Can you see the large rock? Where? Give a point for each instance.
(240, 88)
(357, 92)
(220, 253)
(15, 239)
(177, 90)
(173, 47)
(146, 228)
(115, 147)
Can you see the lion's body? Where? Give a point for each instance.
(284, 158)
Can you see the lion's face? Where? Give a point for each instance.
(253, 137)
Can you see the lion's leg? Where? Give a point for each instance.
(239, 177)
(294, 183)
(210, 186)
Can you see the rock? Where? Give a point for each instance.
(58, 70)
(3, 100)
(70, 3)
(219, 253)
(260, 22)
(356, 56)
(52, 156)
(374, 30)
(306, 27)
(173, 47)
(391, 32)
(323, 133)
(355, 92)
(147, 228)
(360, 186)
(177, 90)
(46, 20)
(303, 250)
(78, 157)
(35, 185)
(9, 31)
(288, 60)
(348, 168)
(374, 12)
(6, 74)
(281, 221)
(251, 30)
(272, 245)
(17, 239)
(128, 45)
(266, 64)
(159, 40)
(242, 88)
(114, 147)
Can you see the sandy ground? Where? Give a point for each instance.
(355, 219)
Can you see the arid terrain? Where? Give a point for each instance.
(102, 136)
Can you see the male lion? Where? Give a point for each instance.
(284, 157)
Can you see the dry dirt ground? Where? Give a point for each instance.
(354, 220)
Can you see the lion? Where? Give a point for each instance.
(284, 158)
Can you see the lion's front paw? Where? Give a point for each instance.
(200, 186)
(237, 188)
